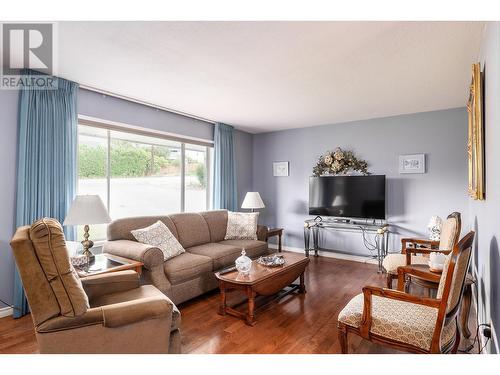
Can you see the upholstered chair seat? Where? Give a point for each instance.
(409, 322)
(401, 321)
(393, 261)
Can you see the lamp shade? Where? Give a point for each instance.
(252, 200)
(87, 209)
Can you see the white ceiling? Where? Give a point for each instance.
(265, 76)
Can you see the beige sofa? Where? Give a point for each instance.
(192, 273)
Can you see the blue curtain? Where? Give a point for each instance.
(46, 169)
(224, 195)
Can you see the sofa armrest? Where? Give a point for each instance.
(149, 255)
(125, 313)
(114, 282)
(262, 233)
(92, 316)
(113, 316)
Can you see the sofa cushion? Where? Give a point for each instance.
(253, 248)
(217, 224)
(192, 229)
(241, 226)
(50, 246)
(186, 267)
(160, 236)
(121, 229)
(221, 255)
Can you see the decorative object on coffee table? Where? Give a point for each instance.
(339, 162)
(271, 260)
(252, 201)
(276, 232)
(85, 210)
(243, 263)
(434, 226)
(262, 281)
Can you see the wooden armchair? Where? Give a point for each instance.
(412, 249)
(407, 322)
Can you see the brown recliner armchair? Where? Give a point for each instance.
(107, 313)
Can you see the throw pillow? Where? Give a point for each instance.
(241, 226)
(159, 235)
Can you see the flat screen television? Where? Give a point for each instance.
(348, 196)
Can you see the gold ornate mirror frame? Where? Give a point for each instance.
(475, 143)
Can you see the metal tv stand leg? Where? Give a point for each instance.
(307, 234)
(316, 240)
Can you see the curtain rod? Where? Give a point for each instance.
(138, 101)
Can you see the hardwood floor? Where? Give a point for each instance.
(296, 324)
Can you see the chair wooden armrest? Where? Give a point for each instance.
(409, 270)
(417, 241)
(410, 251)
(421, 250)
(369, 291)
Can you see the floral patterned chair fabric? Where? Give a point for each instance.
(408, 322)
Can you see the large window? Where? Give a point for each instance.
(137, 174)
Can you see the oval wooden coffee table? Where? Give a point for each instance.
(262, 281)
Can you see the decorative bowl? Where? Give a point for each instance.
(271, 260)
(80, 261)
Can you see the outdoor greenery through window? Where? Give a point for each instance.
(139, 175)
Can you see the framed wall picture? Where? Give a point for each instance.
(280, 169)
(475, 141)
(414, 163)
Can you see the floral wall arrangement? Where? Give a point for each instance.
(339, 162)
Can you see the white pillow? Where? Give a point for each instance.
(241, 226)
(159, 235)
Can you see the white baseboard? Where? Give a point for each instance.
(6, 311)
(329, 254)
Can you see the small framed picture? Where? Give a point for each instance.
(280, 169)
(414, 163)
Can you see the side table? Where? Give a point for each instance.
(273, 232)
(105, 263)
(467, 293)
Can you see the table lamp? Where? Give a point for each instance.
(85, 210)
(252, 201)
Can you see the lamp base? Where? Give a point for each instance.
(87, 244)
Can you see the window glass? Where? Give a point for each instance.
(196, 178)
(138, 175)
(92, 171)
(145, 175)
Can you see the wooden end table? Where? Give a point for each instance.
(467, 297)
(273, 232)
(106, 263)
(262, 281)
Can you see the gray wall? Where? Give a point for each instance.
(110, 108)
(484, 214)
(8, 155)
(107, 108)
(412, 198)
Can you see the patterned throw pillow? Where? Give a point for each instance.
(241, 226)
(159, 235)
